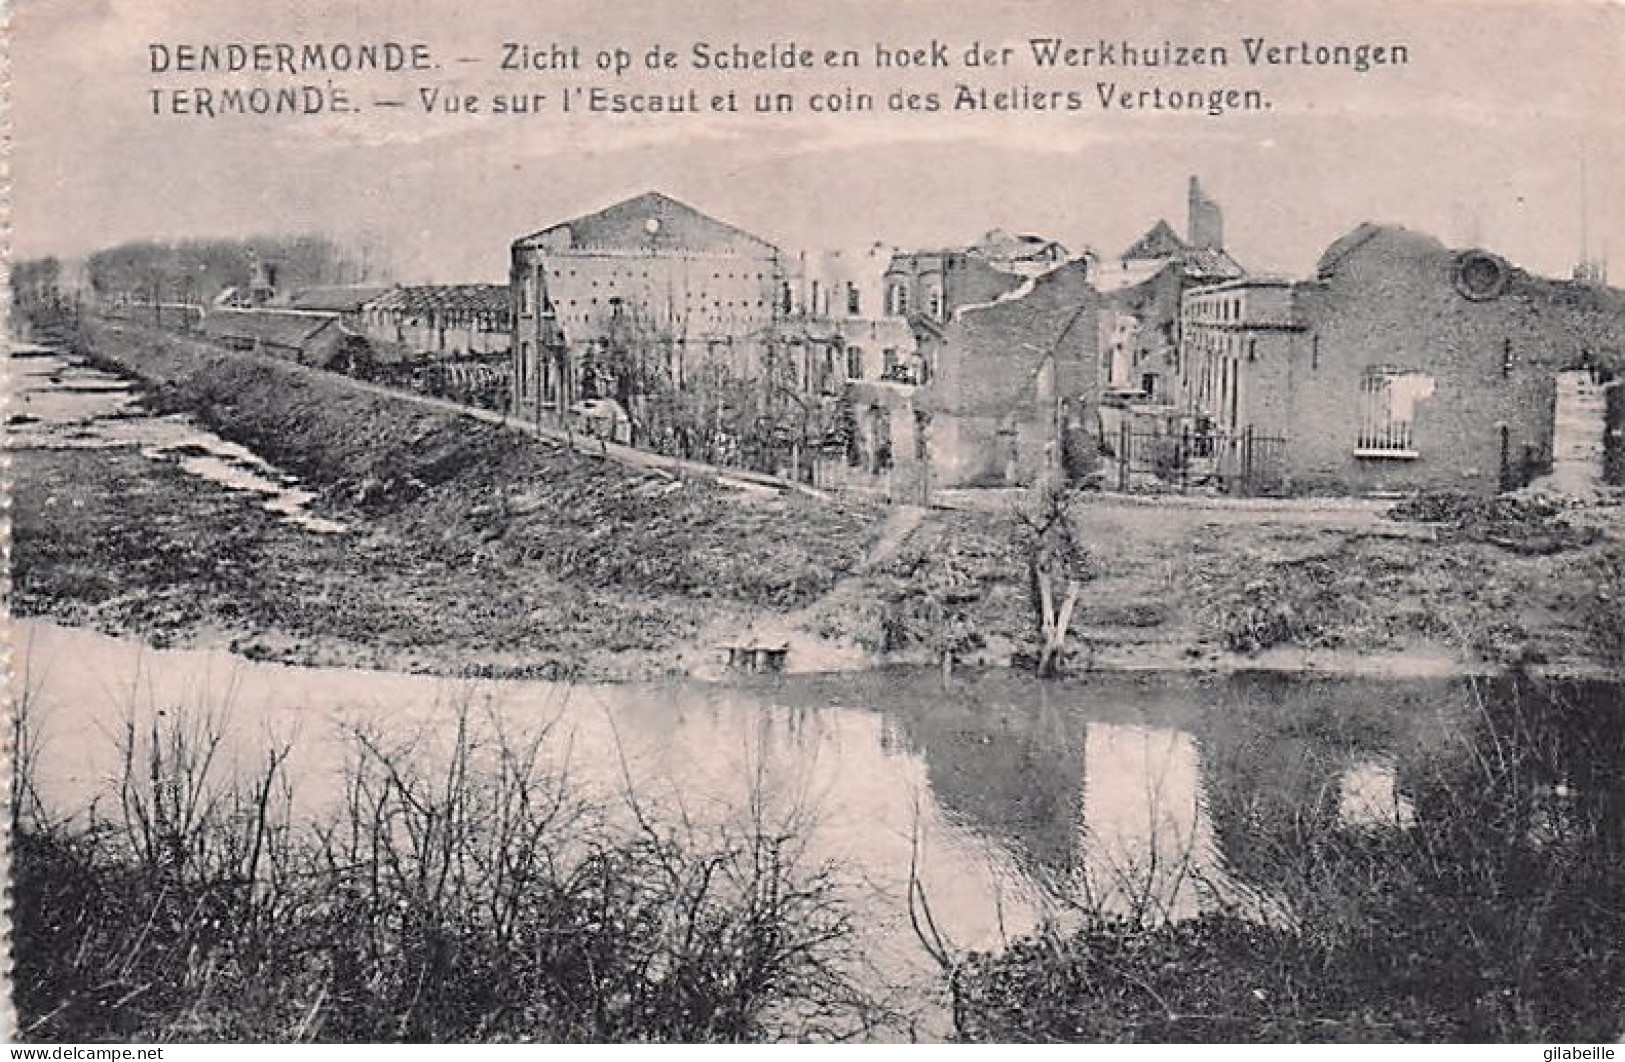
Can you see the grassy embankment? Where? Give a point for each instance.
(479, 550)
(1441, 582)
(473, 549)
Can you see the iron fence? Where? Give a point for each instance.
(1242, 462)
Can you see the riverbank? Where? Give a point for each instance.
(1271, 817)
(469, 551)
(475, 550)
(1335, 586)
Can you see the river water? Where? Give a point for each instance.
(1017, 800)
(60, 402)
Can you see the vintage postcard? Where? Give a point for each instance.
(980, 521)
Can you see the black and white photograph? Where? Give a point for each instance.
(971, 522)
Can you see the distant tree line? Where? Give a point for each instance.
(199, 270)
(38, 296)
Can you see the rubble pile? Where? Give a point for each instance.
(1522, 524)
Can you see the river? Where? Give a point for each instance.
(1024, 800)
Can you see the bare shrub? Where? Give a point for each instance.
(461, 891)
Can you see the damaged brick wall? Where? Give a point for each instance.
(994, 403)
(1491, 343)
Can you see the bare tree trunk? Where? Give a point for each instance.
(1046, 614)
(1053, 623)
(1062, 622)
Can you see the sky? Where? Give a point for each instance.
(1481, 138)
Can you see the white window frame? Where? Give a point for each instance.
(1387, 411)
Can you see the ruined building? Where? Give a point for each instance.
(1404, 364)
(694, 292)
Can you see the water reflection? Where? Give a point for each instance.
(1146, 832)
(1370, 796)
(1011, 801)
(61, 403)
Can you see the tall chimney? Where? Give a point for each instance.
(1205, 224)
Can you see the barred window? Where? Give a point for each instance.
(1388, 398)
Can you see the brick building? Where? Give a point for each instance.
(1402, 365)
(836, 329)
(1015, 392)
(692, 291)
(1140, 335)
(1140, 339)
(1200, 257)
(934, 284)
(1245, 325)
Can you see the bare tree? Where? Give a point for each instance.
(1057, 567)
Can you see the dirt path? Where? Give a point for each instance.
(798, 630)
(900, 523)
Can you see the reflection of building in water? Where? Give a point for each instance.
(1148, 840)
(1012, 772)
(1290, 760)
(1369, 796)
(1558, 778)
(1107, 815)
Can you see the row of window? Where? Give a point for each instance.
(615, 302)
(557, 273)
(1217, 309)
(818, 302)
(892, 367)
(1228, 344)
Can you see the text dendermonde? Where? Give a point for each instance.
(288, 57)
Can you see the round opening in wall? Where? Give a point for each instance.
(651, 226)
(1481, 275)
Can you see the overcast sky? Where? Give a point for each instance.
(1478, 139)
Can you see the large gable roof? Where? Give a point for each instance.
(651, 221)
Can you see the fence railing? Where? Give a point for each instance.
(1179, 462)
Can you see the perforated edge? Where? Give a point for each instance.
(8, 1013)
